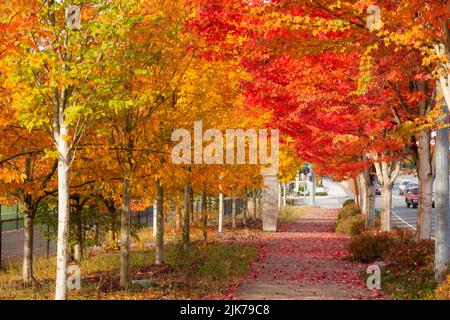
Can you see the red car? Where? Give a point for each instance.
(412, 197)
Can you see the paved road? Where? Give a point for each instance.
(401, 215)
(12, 244)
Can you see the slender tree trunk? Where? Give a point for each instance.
(178, 217)
(363, 193)
(63, 208)
(280, 196)
(221, 212)
(284, 194)
(259, 207)
(245, 209)
(356, 187)
(27, 267)
(78, 232)
(386, 206)
(367, 198)
(159, 255)
(425, 172)
(125, 276)
(387, 172)
(254, 205)
(204, 216)
(233, 212)
(186, 215)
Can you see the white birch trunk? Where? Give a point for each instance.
(221, 212)
(387, 172)
(63, 209)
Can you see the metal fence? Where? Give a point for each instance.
(144, 217)
(10, 218)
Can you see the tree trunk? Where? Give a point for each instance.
(387, 173)
(186, 215)
(367, 198)
(425, 173)
(63, 209)
(78, 232)
(254, 205)
(204, 216)
(178, 217)
(233, 212)
(159, 255)
(27, 267)
(259, 207)
(244, 209)
(284, 193)
(357, 188)
(221, 212)
(312, 188)
(386, 206)
(125, 276)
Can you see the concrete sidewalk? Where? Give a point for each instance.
(305, 261)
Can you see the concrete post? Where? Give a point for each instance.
(270, 198)
(442, 196)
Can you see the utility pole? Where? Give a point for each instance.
(312, 186)
(442, 193)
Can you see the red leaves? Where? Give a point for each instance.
(309, 254)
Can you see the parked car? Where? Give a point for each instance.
(378, 189)
(412, 197)
(402, 187)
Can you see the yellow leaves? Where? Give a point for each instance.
(8, 176)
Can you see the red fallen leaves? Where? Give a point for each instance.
(309, 253)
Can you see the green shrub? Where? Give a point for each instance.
(369, 246)
(348, 211)
(351, 226)
(402, 235)
(348, 202)
(443, 290)
(412, 255)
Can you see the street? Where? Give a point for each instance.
(401, 215)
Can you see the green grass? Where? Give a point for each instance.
(203, 271)
(289, 214)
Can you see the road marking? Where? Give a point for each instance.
(398, 217)
(409, 225)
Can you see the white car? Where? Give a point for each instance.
(402, 186)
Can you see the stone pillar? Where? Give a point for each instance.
(270, 203)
